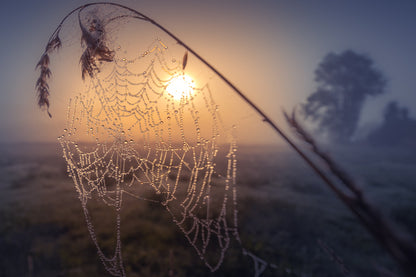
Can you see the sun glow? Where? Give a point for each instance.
(181, 86)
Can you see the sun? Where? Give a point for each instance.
(181, 86)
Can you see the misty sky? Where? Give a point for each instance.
(268, 48)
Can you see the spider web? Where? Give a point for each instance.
(128, 136)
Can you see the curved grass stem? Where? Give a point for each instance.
(403, 251)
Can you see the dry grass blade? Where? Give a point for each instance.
(331, 253)
(401, 247)
(184, 60)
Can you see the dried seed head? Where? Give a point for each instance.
(53, 44)
(87, 63)
(93, 37)
(43, 62)
(42, 85)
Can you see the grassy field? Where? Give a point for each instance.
(286, 217)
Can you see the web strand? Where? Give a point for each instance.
(127, 135)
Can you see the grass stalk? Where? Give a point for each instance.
(401, 249)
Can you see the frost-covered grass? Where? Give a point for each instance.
(285, 215)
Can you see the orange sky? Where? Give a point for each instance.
(269, 49)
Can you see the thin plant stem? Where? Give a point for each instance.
(400, 246)
(403, 252)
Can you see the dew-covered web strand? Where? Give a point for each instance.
(141, 141)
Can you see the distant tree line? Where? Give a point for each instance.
(344, 82)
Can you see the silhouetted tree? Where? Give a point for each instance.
(343, 83)
(397, 129)
(393, 113)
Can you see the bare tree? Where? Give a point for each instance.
(344, 81)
